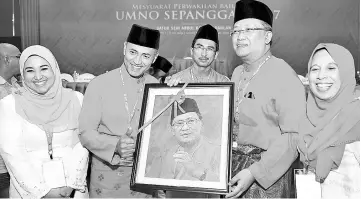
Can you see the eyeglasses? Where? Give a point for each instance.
(181, 123)
(246, 31)
(202, 48)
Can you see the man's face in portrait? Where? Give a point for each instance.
(187, 128)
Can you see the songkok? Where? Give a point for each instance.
(188, 105)
(144, 36)
(162, 64)
(207, 32)
(253, 9)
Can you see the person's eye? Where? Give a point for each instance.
(132, 52)
(314, 69)
(192, 121)
(178, 123)
(247, 30)
(236, 32)
(29, 70)
(332, 67)
(147, 56)
(44, 68)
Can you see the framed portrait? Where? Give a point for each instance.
(188, 146)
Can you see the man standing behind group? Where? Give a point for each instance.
(269, 103)
(110, 115)
(204, 51)
(9, 67)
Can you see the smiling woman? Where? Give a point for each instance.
(38, 75)
(329, 139)
(324, 75)
(39, 132)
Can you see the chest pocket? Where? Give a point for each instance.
(249, 112)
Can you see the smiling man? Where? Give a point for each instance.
(110, 116)
(269, 103)
(189, 155)
(204, 50)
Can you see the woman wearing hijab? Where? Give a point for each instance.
(39, 132)
(330, 140)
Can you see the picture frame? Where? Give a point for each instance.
(188, 147)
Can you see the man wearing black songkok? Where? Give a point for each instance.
(192, 156)
(269, 102)
(110, 116)
(204, 50)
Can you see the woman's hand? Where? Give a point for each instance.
(61, 192)
(65, 192)
(53, 193)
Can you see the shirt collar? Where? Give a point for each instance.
(2, 80)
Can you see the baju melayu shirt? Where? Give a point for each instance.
(102, 121)
(273, 105)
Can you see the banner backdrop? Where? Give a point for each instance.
(88, 35)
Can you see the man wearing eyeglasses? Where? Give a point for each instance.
(192, 156)
(269, 102)
(9, 67)
(204, 51)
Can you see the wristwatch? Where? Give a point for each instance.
(203, 176)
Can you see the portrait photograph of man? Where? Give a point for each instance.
(189, 154)
(188, 143)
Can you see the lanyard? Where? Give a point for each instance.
(130, 115)
(49, 137)
(240, 96)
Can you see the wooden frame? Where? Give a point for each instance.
(154, 166)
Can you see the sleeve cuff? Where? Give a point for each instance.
(259, 174)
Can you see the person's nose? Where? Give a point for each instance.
(38, 75)
(204, 52)
(138, 59)
(321, 74)
(185, 126)
(241, 36)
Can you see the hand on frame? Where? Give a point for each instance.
(240, 183)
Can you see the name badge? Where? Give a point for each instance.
(53, 173)
(306, 185)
